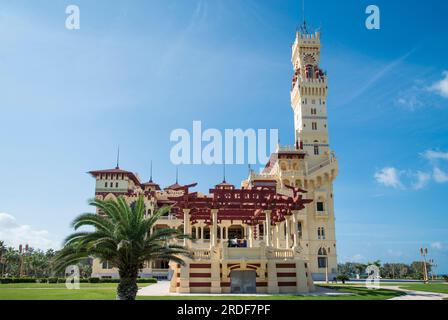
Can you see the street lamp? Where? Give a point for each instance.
(424, 254)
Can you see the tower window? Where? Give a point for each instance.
(321, 233)
(314, 125)
(316, 149)
(116, 184)
(320, 206)
(105, 184)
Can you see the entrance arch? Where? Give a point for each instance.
(243, 281)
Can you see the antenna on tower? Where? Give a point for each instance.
(177, 175)
(118, 158)
(224, 172)
(303, 27)
(150, 172)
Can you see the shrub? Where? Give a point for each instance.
(109, 280)
(94, 280)
(147, 280)
(18, 280)
(342, 278)
(53, 280)
(445, 278)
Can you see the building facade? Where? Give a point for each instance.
(273, 235)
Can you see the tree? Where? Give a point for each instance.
(123, 238)
(2, 258)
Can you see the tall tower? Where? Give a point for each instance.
(309, 164)
(309, 96)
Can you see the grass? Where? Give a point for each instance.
(430, 287)
(106, 291)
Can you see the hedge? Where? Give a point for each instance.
(18, 280)
(63, 280)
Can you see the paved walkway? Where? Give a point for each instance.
(417, 295)
(161, 288)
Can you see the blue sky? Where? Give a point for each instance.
(136, 70)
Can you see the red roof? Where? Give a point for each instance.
(117, 170)
(150, 183)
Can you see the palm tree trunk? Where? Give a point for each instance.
(127, 288)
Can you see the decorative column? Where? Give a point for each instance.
(294, 229)
(288, 232)
(268, 227)
(214, 231)
(277, 235)
(187, 227)
(251, 236)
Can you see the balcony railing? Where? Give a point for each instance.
(201, 254)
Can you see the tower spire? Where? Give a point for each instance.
(150, 172)
(118, 158)
(177, 175)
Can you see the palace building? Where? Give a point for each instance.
(275, 234)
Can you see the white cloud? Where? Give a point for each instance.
(437, 245)
(440, 176)
(441, 86)
(15, 234)
(423, 179)
(390, 177)
(435, 155)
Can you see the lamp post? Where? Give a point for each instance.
(424, 254)
(433, 266)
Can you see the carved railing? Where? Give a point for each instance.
(201, 254)
(281, 254)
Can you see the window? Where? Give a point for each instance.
(105, 184)
(116, 184)
(321, 233)
(320, 206)
(314, 125)
(299, 229)
(316, 149)
(322, 258)
(322, 262)
(107, 265)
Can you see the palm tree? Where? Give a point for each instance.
(2, 259)
(123, 238)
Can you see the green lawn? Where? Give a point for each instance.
(106, 291)
(430, 287)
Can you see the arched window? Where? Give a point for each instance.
(193, 232)
(322, 252)
(199, 233)
(309, 72)
(322, 258)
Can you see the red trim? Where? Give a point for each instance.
(262, 284)
(200, 265)
(286, 274)
(287, 284)
(200, 275)
(200, 284)
(225, 284)
(285, 265)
